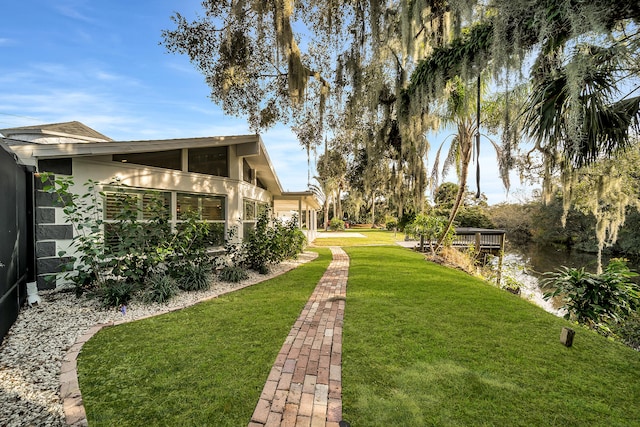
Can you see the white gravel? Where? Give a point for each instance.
(31, 353)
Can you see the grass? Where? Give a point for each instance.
(372, 237)
(431, 346)
(423, 345)
(204, 365)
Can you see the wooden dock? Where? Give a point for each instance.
(483, 240)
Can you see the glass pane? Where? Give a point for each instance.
(110, 236)
(210, 160)
(249, 210)
(216, 236)
(246, 172)
(187, 203)
(121, 205)
(212, 208)
(156, 205)
(171, 159)
(248, 228)
(262, 208)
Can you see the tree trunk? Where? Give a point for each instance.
(373, 209)
(326, 213)
(465, 135)
(335, 213)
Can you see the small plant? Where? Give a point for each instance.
(428, 228)
(510, 284)
(194, 277)
(233, 274)
(391, 224)
(336, 224)
(160, 288)
(115, 293)
(595, 299)
(84, 213)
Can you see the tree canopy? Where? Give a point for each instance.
(367, 75)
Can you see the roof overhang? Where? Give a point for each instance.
(250, 147)
(291, 200)
(75, 130)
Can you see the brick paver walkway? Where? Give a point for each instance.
(304, 388)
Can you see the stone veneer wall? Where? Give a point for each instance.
(51, 234)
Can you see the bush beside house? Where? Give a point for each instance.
(127, 258)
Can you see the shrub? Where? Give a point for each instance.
(114, 293)
(595, 299)
(429, 228)
(391, 225)
(116, 258)
(270, 244)
(135, 248)
(336, 224)
(160, 288)
(287, 240)
(629, 330)
(257, 245)
(194, 277)
(233, 274)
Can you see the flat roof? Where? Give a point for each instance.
(250, 147)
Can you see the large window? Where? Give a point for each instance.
(144, 205)
(209, 160)
(251, 210)
(135, 205)
(171, 159)
(208, 208)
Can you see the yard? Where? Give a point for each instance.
(422, 345)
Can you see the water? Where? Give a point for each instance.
(515, 267)
(526, 265)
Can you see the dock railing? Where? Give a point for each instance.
(483, 239)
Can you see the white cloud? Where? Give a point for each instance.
(182, 67)
(71, 9)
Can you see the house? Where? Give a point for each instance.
(227, 180)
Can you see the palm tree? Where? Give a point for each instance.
(577, 111)
(457, 112)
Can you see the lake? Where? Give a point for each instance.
(527, 264)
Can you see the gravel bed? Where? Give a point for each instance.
(32, 352)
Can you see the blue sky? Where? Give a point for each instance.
(100, 62)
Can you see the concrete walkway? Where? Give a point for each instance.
(304, 388)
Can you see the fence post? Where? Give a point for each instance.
(500, 256)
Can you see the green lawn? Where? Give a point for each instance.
(422, 345)
(426, 345)
(372, 237)
(202, 366)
